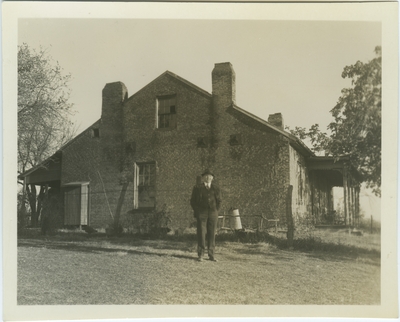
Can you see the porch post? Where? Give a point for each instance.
(312, 196)
(358, 205)
(23, 208)
(350, 200)
(353, 201)
(330, 204)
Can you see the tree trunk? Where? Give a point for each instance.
(22, 209)
(289, 217)
(40, 201)
(35, 203)
(32, 203)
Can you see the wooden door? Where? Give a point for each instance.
(72, 205)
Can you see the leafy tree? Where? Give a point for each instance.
(43, 113)
(356, 128)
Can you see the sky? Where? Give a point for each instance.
(291, 67)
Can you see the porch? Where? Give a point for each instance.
(327, 208)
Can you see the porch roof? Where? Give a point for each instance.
(47, 172)
(334, 168)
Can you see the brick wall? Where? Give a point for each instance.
(253, 172)
(301, 197)
(100, 160)
(175, 151)
(253, 175)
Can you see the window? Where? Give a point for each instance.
(201, 142)
(300, 180)
(166, 112)
(235, 139)
(144, 185)
(95, 133)
(130, 147)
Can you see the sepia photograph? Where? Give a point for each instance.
(177, 159)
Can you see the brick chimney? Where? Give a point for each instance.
(113, 96)
(111, 128)
(223, 85)
(223, 95)
(276, 120)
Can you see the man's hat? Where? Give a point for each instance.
(207, 171)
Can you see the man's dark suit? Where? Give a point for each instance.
(206, 203)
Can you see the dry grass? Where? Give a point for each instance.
(79, 269)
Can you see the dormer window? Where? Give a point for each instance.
(166, 112)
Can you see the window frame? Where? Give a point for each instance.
(170, 117)
(136, 184)
(95, 133)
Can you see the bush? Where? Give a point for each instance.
(52, 210)
(154, 224)
(365, 224)
(22, 214)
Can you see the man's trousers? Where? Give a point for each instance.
(206, 226)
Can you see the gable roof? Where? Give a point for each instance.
(294, 141)
(178, 78)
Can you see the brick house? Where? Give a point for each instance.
(147, 151)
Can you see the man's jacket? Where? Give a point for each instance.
(205, 202)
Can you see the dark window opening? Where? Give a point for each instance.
(130, 147)
(166, 113)
(201, 142)
(235, 139)
(95, 133)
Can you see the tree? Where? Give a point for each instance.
(356, 128)
(43, 113)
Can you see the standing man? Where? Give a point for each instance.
(206, 201)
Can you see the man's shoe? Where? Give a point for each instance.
(213, 259)
(200, 259)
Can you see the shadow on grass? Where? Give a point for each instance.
(94, 249)
(312, 246)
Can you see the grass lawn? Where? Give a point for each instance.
(99, 270)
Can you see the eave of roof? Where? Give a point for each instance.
(57, 153)
(330, 158)
(79, 135)
(39, 166)
(340, 161)
(296, 142)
